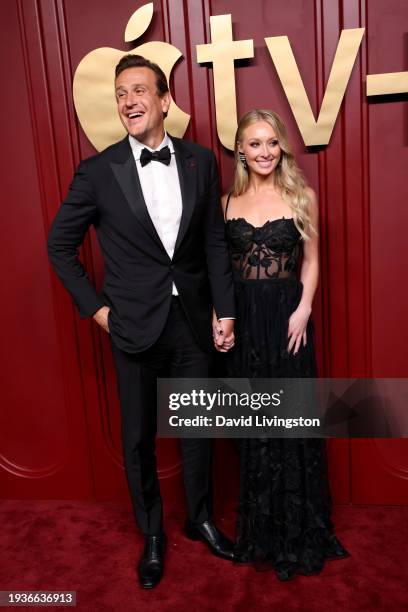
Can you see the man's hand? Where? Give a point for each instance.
(223, 334)
(101, 317)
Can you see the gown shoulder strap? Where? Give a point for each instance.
(226, 206)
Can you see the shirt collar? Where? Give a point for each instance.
(138, 146)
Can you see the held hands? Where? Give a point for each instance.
(297, 328)
(223, 333)
(101, 317)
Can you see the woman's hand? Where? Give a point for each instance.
(297, 328)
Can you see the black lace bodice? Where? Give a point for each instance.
(269, 251)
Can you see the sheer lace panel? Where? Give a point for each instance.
(269, 251)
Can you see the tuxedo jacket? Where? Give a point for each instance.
(106, 193)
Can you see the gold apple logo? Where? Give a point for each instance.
(93, 87)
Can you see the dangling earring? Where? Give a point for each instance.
(243, 160)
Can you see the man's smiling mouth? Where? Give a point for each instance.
(136, 115)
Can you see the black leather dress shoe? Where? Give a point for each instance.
(152, 561)
(216, 541)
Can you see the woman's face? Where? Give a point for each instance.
(261, 148)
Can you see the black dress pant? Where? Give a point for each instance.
(176, 354)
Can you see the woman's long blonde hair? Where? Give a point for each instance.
(289, 178)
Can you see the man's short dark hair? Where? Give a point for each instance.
(138, 61)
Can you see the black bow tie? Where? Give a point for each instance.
(163, 156)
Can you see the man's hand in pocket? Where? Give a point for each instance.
(101, 317)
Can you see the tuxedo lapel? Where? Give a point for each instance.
(187, 171)
(126, 174)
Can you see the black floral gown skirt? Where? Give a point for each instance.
(284, 512)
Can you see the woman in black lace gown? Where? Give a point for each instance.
(271, 218)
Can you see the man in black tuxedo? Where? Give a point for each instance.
(154, 201)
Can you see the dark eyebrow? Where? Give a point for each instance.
(132, 86)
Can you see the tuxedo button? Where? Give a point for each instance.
(171, 267)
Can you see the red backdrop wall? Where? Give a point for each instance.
(59, 434)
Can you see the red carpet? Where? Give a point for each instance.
(93, 547)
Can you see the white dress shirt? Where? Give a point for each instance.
(161, 190)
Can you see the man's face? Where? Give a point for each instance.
(140, 107)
